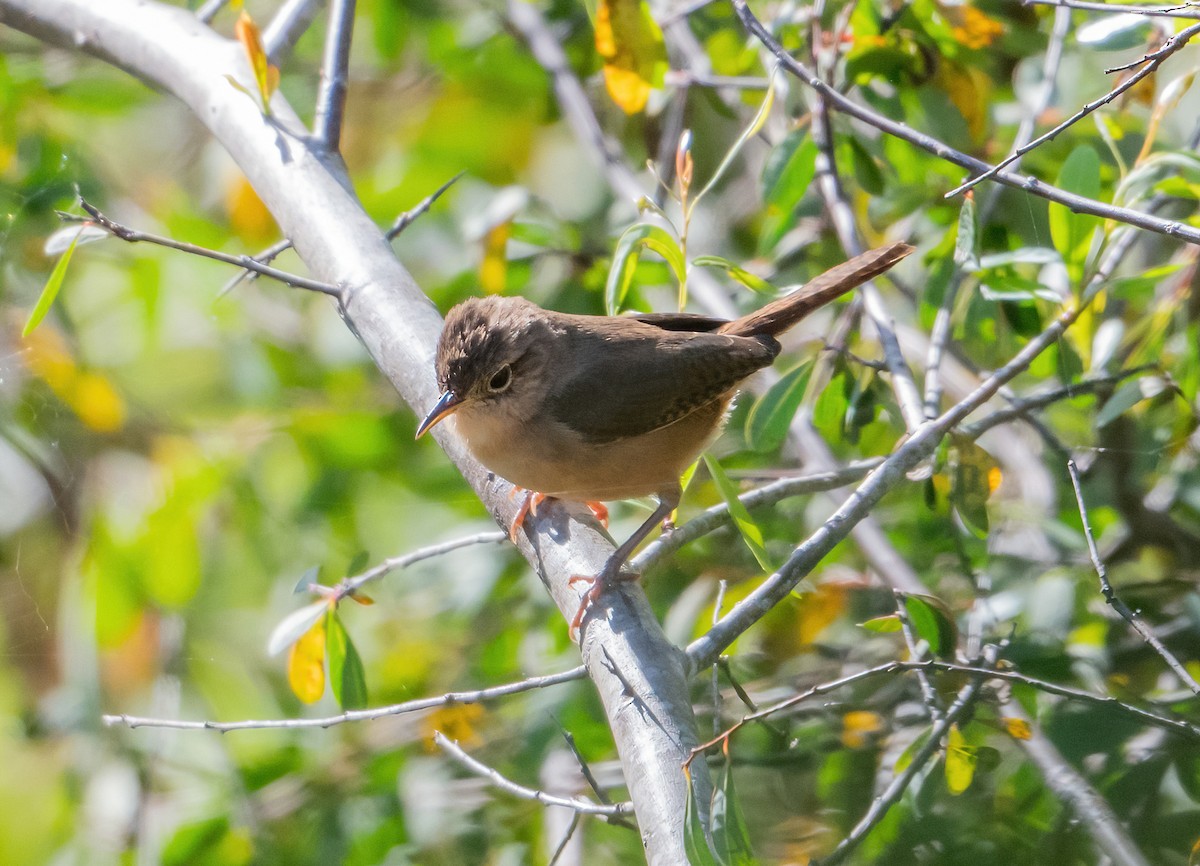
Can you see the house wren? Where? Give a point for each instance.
(609, 407)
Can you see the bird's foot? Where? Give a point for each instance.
(599, 511)
(609, 575)
(530, 502)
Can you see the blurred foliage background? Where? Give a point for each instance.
(173, 460)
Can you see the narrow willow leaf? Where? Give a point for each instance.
(966, 246)
(347, 679)
(768, 422)
(755, 127)
(749, 530)
(695, 839)
(960, 762)
(625, 259)
(50, 290)
(974, 476)
(731, 837)
(1072, 232)
(888, 623)
(751, 281)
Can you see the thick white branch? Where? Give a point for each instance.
(639, 674)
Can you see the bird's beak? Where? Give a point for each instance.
(443, 408)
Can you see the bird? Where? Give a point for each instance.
(599, 408)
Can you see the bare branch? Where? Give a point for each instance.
(1114, 600)
(1175, 10)
(96, 218)
(331, 93)
(209, 10)
(583, 807)
(1151, 62)
(943, 151)
(414, 706)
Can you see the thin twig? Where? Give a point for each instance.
(1114, 601)
(1020, 407)
(567, 835)
(414, 706)
(939, 334)
(1151, 62)
(842, 103)
(399, 224)
(582, 807)
(769, 494)
(331, 92)
(1180, 10)
(352, 584)
(928, 693)
(891, 795)
(95, 217)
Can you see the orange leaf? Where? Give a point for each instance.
(1018, 729)
(306, 664)
(266, 76)
(635, 56)
(858, 726)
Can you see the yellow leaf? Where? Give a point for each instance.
(247, 214)
(97, 403)
(974, 476)
(266, 77)
(90, 395)
(858, 726)
(960, 762)
(970, 91)
(818, 609)
(493, 270)
(457, 722)
(306, 664)
(1018, 729)
(635, 56)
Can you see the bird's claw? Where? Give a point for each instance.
(599, 583)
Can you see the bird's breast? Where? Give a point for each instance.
(542, 455)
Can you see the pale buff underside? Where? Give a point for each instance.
(550, 459)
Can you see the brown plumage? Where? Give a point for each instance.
(609, 407)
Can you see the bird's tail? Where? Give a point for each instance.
(779, 315)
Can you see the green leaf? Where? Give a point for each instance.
(1072, 232)
(883, 624)
(866, 170)
(1128, 395)
(359, 563)
(756, 125)
(731, 837)
(787, 176)
(960, 762)
(933, 623)
(751, 534)
(695, 840)
(347, 679)
(751, 281)
(769, 419)
(966, 245)
(625, 259)
(830, 407)
(50, 290)
(974, 476)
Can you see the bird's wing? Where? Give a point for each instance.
(627, 380)
(696, 322)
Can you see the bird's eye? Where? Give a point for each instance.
(501, 379)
